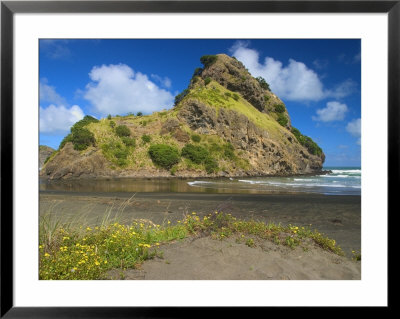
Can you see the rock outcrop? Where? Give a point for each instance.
(266, 155)
(236, 119)
(44, 153)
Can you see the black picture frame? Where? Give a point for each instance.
(9, 8)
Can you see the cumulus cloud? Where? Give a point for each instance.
(48, 94)
(58, 119)
(294, 82)
(334, 111)
(117, 89)
(354, 128)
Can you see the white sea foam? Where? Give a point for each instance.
(252, 182)
(348, 171)
(199, 182)
(340, 181)
(334, 176)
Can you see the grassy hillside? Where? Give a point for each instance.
(132, 151)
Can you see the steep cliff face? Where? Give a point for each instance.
(227, 123)
(268, 152)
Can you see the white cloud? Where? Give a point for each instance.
(354, 128)
(58, 119)
(294, 82)
(48, 94)
(117, 89)
(165, 81)
(334, 111)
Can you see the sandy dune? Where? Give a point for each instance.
(205, 258)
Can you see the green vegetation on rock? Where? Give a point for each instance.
(307, 142)
(197, 72)
(263, 83)
(196, 138)
(122, 130)
(197, 154)
(129, 141)
(164, 155)
(229, 151)
(282, 119)
(146, 138)
(116, 152)
(84, 122)
(280, 108)
(211, 165)
(208, 60)
(80, 136)
(180, 96)
(64, 141)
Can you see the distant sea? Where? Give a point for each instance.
(342, 181)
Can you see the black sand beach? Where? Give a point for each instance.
(338, 217)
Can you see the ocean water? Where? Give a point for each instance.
(342, 181)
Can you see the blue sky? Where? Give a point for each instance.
(318, 80)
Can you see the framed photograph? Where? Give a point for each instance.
(164, 155)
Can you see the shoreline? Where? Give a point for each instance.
(193, 195)
(141, 177)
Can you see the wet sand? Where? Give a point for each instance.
(338, 217)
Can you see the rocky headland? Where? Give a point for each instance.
(226, 123)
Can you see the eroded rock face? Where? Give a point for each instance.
(172, 126)
(69, 163)
(266, 156)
